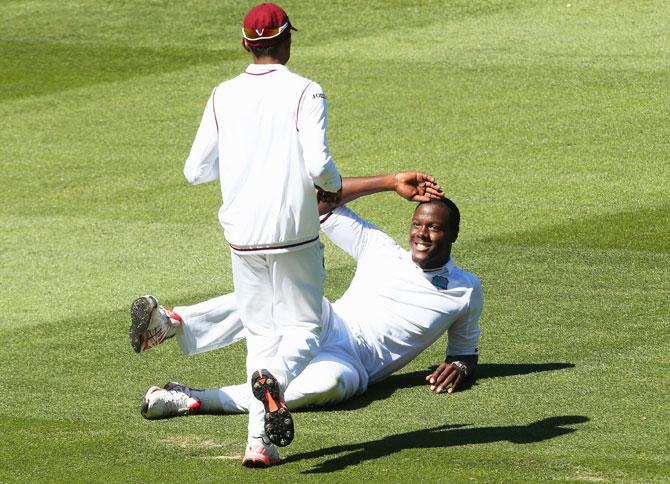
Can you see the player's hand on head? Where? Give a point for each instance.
(446, 378)
(417, 186)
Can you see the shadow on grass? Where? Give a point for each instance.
(386, 388)
(605, 231)
(342, 456)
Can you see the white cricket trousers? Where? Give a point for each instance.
(332, 376)
(279, 301)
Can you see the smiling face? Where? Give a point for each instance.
(431, 235)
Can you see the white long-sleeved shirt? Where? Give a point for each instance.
(263, 134)
(390, 313)
(392, 308)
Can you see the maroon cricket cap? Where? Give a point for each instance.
(266, 24)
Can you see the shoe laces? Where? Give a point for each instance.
(177, 387)
(261, 440)
(176, 400)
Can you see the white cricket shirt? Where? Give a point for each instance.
(263, 134)
(392, 308)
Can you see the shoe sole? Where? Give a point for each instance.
(144, 409)
(140, 316)
(257, 463)
(278, 419)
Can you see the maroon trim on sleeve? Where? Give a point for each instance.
(326, 217)
(216, 121)
(297, 111)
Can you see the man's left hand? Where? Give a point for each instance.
(447, 377)
(417, 187)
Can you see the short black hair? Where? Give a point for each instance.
(453, 220)
(271, 50)
(267, 51)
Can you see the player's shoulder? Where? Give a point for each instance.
(344, 224)
(469, 279)
(227, 83)
(298, 77)
(344, 214)
(309, 86)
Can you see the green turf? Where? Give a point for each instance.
(547, 122)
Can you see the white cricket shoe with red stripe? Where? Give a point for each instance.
(161, 403)
(260, 455)
(151, 323)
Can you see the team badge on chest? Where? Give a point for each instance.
(440, 282)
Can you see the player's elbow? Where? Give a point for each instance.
(327, 177)
(325, 207)
(196, 174)
(191, 175)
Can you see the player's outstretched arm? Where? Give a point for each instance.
(411, 185)
(451, 374)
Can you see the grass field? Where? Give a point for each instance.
(548, 123)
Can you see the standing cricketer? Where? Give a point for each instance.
(263, 135)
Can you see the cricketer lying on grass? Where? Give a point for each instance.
(397, 305)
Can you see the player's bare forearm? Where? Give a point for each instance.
(451, 374)
(411, 185)
(356, 187)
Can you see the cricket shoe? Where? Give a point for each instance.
(151, 323)
(161, 403)
(173, 385)
(278, 420)
(260, 455)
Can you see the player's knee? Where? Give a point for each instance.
(334, 390)
(329, 389)
(326, 391)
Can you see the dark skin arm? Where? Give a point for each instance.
(330, 198)
(448, 377)
(411, 185)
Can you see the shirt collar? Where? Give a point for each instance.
(445, 269)
(258, 69)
